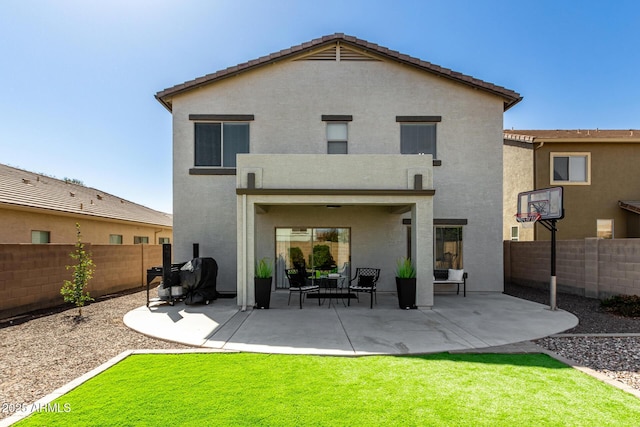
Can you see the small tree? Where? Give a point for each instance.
(74, 290)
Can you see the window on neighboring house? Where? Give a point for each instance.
(604, 228)
(571, 168)
(115, 239)
(337, 138)
(216, 144)
(163, 240)
(418, 138)
(515, 233)
(139, 240)
(448, 247)
(40, 237)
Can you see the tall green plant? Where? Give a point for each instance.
(73, 290)
(405, 268)
(264, 269)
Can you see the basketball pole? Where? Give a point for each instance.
(551, 226)
(552, 285)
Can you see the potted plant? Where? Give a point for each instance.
(262, 282)
(406, 283)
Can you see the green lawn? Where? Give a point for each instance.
(280, 390)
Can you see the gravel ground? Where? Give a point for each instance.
(617, 357)
(39, 354)
(42, 352)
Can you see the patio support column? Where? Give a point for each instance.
(246, 250)
(251, 250)
(422, 250)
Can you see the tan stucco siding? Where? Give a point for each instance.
(614, 176)
(18, 224)
(518, 177)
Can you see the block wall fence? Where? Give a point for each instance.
(595, 268)
(31, 275)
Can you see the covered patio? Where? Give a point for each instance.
(368, 196)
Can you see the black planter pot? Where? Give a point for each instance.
(406, 293)
(262, 291)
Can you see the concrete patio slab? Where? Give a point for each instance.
(454, 323)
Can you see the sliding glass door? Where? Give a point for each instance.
(325, 250)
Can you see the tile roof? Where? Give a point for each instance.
(572, 134)
(21, 188)
(510, 97)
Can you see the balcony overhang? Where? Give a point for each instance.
(397, 183)
(332, 192)
(334, 174)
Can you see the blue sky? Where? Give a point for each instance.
(79, 76)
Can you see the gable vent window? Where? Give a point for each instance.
(339, 52)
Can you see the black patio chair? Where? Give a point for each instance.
(300, 283)
(365, 280)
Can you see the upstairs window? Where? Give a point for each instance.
(337, 132)
(216, 144)
(337, 138)
(418, 134)
(571, 168)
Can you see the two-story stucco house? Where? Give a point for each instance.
(340, 152)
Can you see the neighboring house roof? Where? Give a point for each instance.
(573, 135)
(632, 206)
(20, 188)
(510, 97)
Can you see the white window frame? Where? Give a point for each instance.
(587, 157)
(515, 236)
(602, 220)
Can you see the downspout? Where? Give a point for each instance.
(535, 178)
(155, 235)
(244, 252)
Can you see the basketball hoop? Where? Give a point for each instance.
(527, 219)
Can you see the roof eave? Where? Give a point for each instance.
(510, 97)
(630, 206)
(165, 102)
(508, 105)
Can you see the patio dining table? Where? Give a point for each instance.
(331, 287)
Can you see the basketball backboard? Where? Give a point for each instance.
(547, 202)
